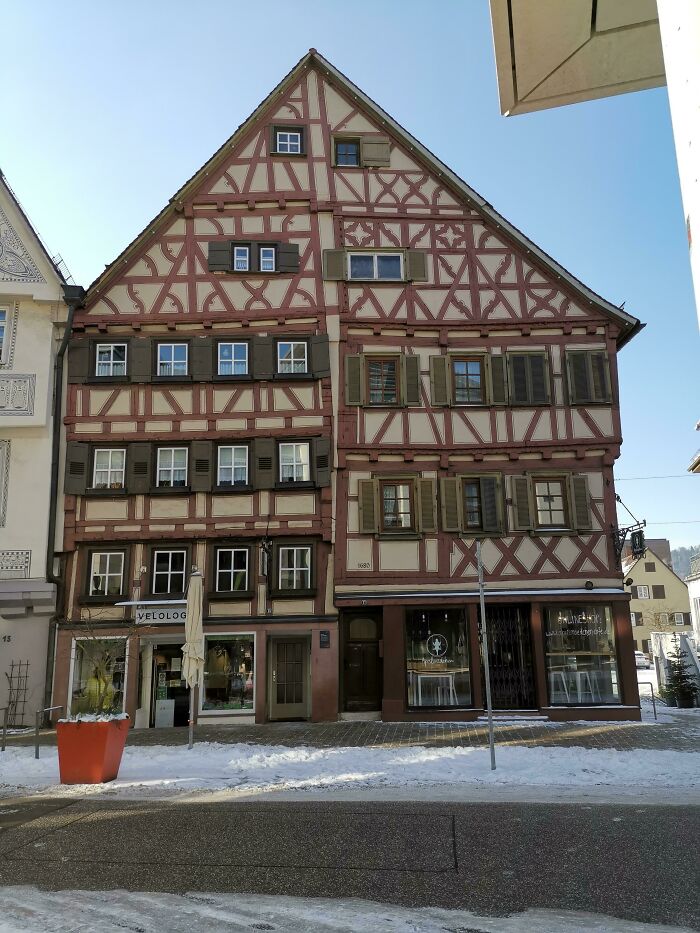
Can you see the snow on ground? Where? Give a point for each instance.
(242, 768)
(28, 910)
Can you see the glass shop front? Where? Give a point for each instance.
(437, 659)
(229, 672)
(581, 656)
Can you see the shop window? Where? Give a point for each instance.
(106, 573)
(580, 654)
(99, 675)
(229, 672)
(437, 659)
(108, 469)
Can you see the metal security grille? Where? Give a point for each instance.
(510, 658)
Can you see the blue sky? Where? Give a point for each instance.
(109, 107)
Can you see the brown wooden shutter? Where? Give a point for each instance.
(490, 504)
(288, 257)
(219, 256)
(201, 359)
(440, 380)
(600, 373)
(539, 378)
(140, 360)
(201, 462)
(264, 475)
(410, 379)
(354, 383)
(253, 254)
(322, 460)
(522, 513)
(658, 591)
(517, 364)
(263, 362)
(450, 503)
(138, 468)
(577, 377)
(416, 265)
(79, 360)
(367, 505)
(687, 618)
(77, 477)
(499, 390)
(579, 505)
(635, 592)
(334, 265)
(375, 151)
(427, 500)
(320, 359)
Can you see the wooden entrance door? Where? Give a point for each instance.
(510, 657)
(288, 678)
(362, 665)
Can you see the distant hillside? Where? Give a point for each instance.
(680, 557)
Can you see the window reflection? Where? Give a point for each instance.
(581, 656)
(437, 659)
(228, 672)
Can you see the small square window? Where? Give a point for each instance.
(233, 359)
(288, 141)
(678, 618)
(110, 359)
(347, 152)
(295, 466)
(550, 499)
(172, 467)
(396, 506)
(106, 573)
(267, 259)
(468, 383)
(108, 469)
(642, 592)
(292, 356)
(233, 466)
(172, 359)
(295, 568)
(241, 258)
(169, 572)
(231, 570)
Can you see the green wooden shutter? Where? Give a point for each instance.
(354, 383)
(427, 500)
(77, 479)
(600, 373)
(264, 474)
(138, 469)
(288, 257)
(539, 378)
(322, 460)
(334, 265)
(219, 256)
(140, 359)
(200, 466)
(522, 514)
(79, 360)
(450, 503)
(367, 505)
(320, 359)
(375, 151)
(416, 265)
(499, 390)
(439, 380)
(517, 378)
(263, 362)
(490, 504)
(410, 380)
(579, 503)
(201, 359)
(578, 380)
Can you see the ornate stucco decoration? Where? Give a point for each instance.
(17, 395)
(14, 565)
(4, 479)
(16, 264)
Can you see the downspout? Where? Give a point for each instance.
(74, 296)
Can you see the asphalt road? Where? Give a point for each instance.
(633, 862)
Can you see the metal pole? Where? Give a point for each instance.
(6, 710)
(37, 715)
(485, 643)
(191, 722)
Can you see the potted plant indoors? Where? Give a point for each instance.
(91, 740)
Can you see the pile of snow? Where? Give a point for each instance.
(96, 717)
(161, 770)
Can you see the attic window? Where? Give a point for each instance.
(288, 142)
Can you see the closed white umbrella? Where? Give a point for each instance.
(193, 649)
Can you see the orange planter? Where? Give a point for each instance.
(90, 752)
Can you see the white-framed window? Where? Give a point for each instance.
(386, 267)
(231, 570)
(642, 592)
(678, 618)
(295, 568)
(110, 359)
(233, 466)
(267, 259)
(172, 359)
(3, 330)
(106, 573)
(98, 675)
(241, 258)
(294, 463)
(108, 469)
(233, 359)
(550, 501)
(172, 466)
(228, 681)
(663, 618)
(288, 141)
(292, 356)
(169, 572)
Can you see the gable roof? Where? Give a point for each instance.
(626, 568)
(628, 324)
(7, 190)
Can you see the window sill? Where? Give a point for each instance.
(596, 404)
(85, 600)
(292, 594)
(234, 488)
(171, 379)
(289, 155)
(560, 531)
(169, 490)
(286, 485)
(106, 493)
(119, 380)
(294, 377)
(476, 533)
(232, 377)
(164, 597)
(400, 535)
(227, 597)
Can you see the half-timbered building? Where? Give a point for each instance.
(322, 374)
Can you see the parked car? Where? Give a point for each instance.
(642, 660)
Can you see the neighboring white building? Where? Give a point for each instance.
(32, 315)
(693, 582)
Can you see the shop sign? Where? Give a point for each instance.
(325, 639)
(160, 614)
(437, 646)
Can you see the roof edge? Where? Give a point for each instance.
(15, 200)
